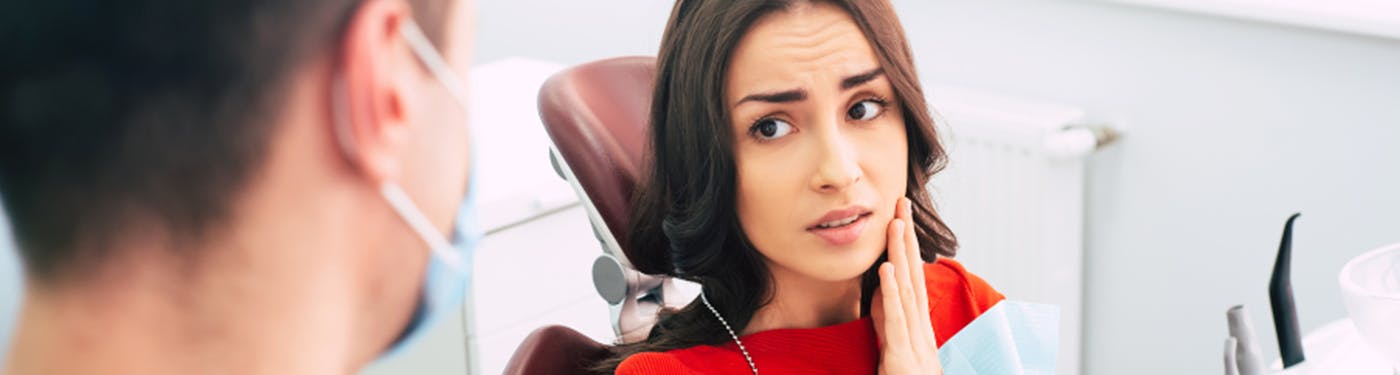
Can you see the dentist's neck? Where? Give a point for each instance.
(157, 310)
(802, 302)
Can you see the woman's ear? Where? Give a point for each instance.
(373, 129)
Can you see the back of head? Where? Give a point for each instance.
(117, 115)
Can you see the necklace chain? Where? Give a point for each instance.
(731, 332)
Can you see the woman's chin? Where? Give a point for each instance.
(846, 263)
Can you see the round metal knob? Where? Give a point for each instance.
(609, 279)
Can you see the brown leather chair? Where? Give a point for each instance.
(596, 116)
(554, 350)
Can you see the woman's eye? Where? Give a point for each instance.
(865, 110)
(769, 129)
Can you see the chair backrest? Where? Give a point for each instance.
(554, 350)
(596, 115)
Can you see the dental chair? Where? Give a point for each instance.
(596, 115)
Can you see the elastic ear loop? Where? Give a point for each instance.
(410, 213)
(395, 195)
(430, 57)
(428, 54)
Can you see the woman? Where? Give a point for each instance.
(792, 146)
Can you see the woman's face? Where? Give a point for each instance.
(819, 143)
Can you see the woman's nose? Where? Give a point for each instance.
(838, 166)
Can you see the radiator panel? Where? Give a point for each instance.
(1013, 193)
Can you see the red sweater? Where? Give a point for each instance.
(956, 297)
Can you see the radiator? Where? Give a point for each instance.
(1013, 193)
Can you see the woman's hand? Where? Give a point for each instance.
(900, 305)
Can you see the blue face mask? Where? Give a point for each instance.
(449, 266)
(447, 279)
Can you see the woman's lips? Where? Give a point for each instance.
(844, 234)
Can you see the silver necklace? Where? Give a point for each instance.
(730, 330)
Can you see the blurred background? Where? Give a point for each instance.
(1233, 114)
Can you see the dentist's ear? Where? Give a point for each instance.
(370, 120)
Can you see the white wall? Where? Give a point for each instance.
(569, 31)
(1230, 126)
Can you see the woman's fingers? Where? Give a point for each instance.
(894, 247)
(921, 319)
(903, 322)
(916, 260)
(916, 252)
(899, 256)
(896, 330)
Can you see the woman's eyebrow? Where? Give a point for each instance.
(798, 94)
(793, 95)
(856, 80)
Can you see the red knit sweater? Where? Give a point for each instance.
(956, 297)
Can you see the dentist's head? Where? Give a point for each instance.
(237, 186)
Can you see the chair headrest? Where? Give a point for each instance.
(596, 114)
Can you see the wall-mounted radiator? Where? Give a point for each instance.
(1013, 193)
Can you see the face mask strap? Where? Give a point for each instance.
(428, 54)
(415, 219)
(430, 57)
(397, 198)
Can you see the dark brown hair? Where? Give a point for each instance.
(684, 222)
(112, 112)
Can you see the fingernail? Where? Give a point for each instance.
(909, 206)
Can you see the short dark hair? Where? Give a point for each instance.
(114, 111)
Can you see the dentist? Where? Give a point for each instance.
(234, 186)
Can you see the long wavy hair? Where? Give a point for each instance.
(684, 222)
